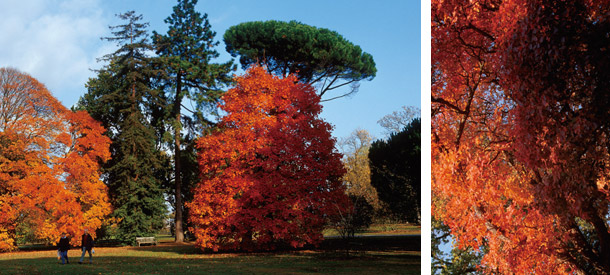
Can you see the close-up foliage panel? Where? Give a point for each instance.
(520, 132)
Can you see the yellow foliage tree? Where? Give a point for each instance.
(357, 178)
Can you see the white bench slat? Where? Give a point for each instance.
(144, 240)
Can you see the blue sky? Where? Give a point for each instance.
(58, 41)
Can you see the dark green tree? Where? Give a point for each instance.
(121, 97)
(316, 55)
(396, 171)
(185, 55)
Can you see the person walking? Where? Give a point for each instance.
(62, 247)
(87, 245)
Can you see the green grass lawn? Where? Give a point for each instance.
(393, 229)
(381, 253)
(383, 229)
(186, 259)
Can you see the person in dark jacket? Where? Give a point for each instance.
(62, 247)
(87, 245)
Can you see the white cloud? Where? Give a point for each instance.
(53, 41)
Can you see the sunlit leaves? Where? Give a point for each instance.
(520, 131)
(49, 164)
(270, 175)
(357, 178)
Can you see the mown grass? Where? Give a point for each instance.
(381, 254)
(186, 259)
(383, 229)
(393, 229)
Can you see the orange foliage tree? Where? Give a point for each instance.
(521, 132)
(270, 175)
(49, 165)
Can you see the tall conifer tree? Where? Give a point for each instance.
(122, 98)
(185, 54)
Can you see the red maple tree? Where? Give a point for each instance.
(49, 164)
(520, 128)
(270, 175)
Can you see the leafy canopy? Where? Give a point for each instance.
(50, 161)
(521, 132)
(357, 178)
(185, 54)
(315, 55)
(270, 175)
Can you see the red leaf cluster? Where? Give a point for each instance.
(270, 174)
(520, 159)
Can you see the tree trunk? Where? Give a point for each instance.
(603, 236)
(177, 172)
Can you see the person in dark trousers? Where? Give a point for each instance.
(62, 247)
(87, 244)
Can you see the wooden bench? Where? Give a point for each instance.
(146, 240)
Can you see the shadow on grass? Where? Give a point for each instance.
(361, 243)
(375, 243)
(367, 255)
(43, 247)
(184, 248)
(258, 264)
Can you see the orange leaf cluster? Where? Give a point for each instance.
(49, 164)
(270, 174)
(520, 159)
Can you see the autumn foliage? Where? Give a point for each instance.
(49, 165)
(270, 175)
(520, 125)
